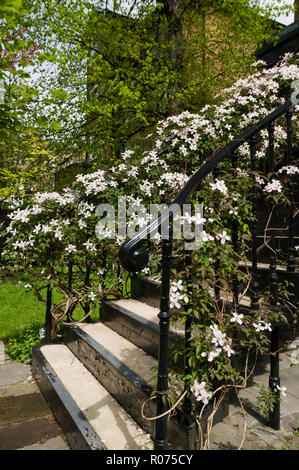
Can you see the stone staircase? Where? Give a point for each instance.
(97, 380)
(87, 410)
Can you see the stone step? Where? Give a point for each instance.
(125, 370)
(152, 286)
(138, 321)
(89, 416)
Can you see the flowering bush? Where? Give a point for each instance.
(53, 236)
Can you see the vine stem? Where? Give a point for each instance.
(166, 412)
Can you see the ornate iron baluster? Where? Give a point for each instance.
(274, 380)
(291, 247)
(254, 282)
(288, 156)
(87, 284)
(271, 146)
(161, 439)
(291, 244)
(69, 285)
(216, 263)
(235, 239)
(292, 187)
(48, 319)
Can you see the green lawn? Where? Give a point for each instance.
(18, 306)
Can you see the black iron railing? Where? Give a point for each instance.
(134, 257)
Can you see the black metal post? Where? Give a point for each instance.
(216, 172)
(161, 437)
(271, 147)
(48, 319)
(291, 244)
(69, 285)
(254, 283)
(291, 260)
(235, 240)
(87, 284)
(288, 155)
(274, 379)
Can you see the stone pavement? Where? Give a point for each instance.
(26, 422)
(228, 434)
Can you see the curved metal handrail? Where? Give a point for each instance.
(133, 254)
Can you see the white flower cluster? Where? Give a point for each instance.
(290, 169)
(69, 196)
(237, 317)
(71, 248)
(259, 93)
(127, 154)
(152, 160)
(262, 326)
(90, 246)
(85, 210)
(20, 214)
(23, 244)
(95, 182)
(197, 219)
(174, 180)
(206, 237)
(223, 237)
(200, 392)
(177, 294)
(146, 187)
(220, 186)
(220, 343)
(274, 185)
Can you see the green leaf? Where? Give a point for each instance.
(42, 121)
(56, 125)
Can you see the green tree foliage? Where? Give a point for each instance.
(120, 71)
(22, 155)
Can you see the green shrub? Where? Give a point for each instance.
(20, 345)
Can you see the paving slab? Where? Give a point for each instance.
(12, 372)
(24, 433)
(26, 421)
(257, 434)
(54, 443)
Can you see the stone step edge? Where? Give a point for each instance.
(128, 373)
(144, 333)
(79, 433)
(135, 316)
(139, 383)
